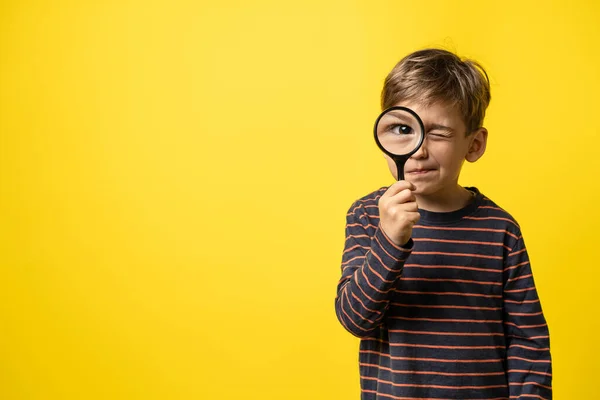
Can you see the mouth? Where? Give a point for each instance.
(419, 171)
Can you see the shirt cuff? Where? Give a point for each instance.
(384, 246)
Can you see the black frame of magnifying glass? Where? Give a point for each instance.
(400, 160)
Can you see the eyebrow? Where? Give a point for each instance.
(440, 127)
(401, 115)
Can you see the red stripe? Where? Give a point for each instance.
(522, 302)
(474, 321)
(444, 333)
(441, 253)
(384, 250)
(516, 266)
(369, 216)
(361, 225)
(351, 212)
(528, 338)
(433, 372)
(341, 308)
(352, 259)
(517, 252)
(363, 201)
(356, 312)
(452, 267)
(519, 290)
(488, 296)
(529, 383)
(512, 371)
(363, 292)
(387, 238)
(442, 360)
(414, 398)
(348, 317)
(528, 360)
(384, 266)
(524, 314)
(451, 280)
(530, 348)
(443, 228)
(354, 247)
(535, 396)
(357, 236)
(519, 278)
(371, 286)
(499, 244)
(446, 306)
(493, 218)
(430, 346)
(492, 208)
(351, 266)
(525, 326)
(431, 386)
(363, 304)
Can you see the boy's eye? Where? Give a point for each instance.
(401, 129)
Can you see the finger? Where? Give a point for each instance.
(410, 207)
(398, 187)
(414, 217)
(405, 196)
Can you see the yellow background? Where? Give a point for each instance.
(174, 178)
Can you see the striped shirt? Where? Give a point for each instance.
(452, 315)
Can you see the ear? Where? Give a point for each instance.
(477, 146)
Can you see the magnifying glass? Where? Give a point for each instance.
(399, 132)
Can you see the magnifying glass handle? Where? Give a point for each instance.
(400, 168)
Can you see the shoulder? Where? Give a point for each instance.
(371, 198)
(490, 208)
(367, 204)
(495, 215)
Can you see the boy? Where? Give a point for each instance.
(436, 279)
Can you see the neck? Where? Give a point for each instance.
(448, 200)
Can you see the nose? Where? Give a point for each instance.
(422, 152)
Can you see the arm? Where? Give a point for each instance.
(371, 266)
(529, 365)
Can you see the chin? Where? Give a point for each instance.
(423, 189)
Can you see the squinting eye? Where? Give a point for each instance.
(401, 129)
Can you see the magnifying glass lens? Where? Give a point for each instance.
(399, 132)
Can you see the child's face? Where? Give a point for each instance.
(435, 167)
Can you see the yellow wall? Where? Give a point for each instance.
(174, 178)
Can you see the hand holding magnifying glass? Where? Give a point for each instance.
(399, 133)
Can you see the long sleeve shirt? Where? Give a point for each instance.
(454, 314)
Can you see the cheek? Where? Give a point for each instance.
(448, 156)
(439, 151)
(392, 166)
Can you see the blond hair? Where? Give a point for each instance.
(431, 75)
